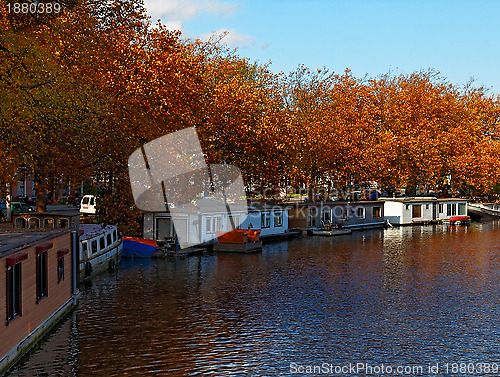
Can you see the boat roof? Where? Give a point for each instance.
(423, 199)
(94, 230)
(12, 240)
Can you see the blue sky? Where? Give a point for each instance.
(460, 39)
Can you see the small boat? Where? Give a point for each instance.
(458, 220)
(328, 232)
(484, 211)
(134, 247)
(239, 240)
(100, 249)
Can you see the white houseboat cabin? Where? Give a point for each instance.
(414, 210)
(201, 228)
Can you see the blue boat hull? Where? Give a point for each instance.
(135, 249)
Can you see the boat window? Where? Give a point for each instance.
(114, 235)
(94, 246)
(41, 276)
(86, 200)
(236, 221)
(360, 213)
(265, 220)
(454, 209)
(441, 208)
(60, 269)
(312, 212)
(325, 216)
(344, 214)
(109, 239)
(209, 225)
(278, 218)
(102, 243)
(376, 212)
(462, 209)
(14, 291)
(84, 246)
(448, 210)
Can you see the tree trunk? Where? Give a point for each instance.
(41, 189)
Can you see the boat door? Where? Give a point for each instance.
(434, 211)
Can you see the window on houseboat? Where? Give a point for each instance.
(360, 212)
(426, 206)
(209, 225)
(60, 269)
(102, 243)
(14, 291)
(462, 209)
(114, 236)
(376, 211)
(41, 276)
(278, 219)
(344, 214)
(448, 210)
(416, 210)
(94, 246)
(236, 221)
(311, 217)
(441, 208)
(265, 219)
(325, 216)
(214, 224)
(108, 239)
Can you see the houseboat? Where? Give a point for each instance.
(197, 228)
(484, 210)
(38, 285)
(270, 220)
(422, 210)
(201, 228)
(100, 249)
(317, 217)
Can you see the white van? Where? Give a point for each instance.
(88, 205)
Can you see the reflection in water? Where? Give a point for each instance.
(408, 295)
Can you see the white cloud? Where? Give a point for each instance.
(173, 25)
(182, 10)
(231, 38)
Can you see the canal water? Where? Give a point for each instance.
(413, 297)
